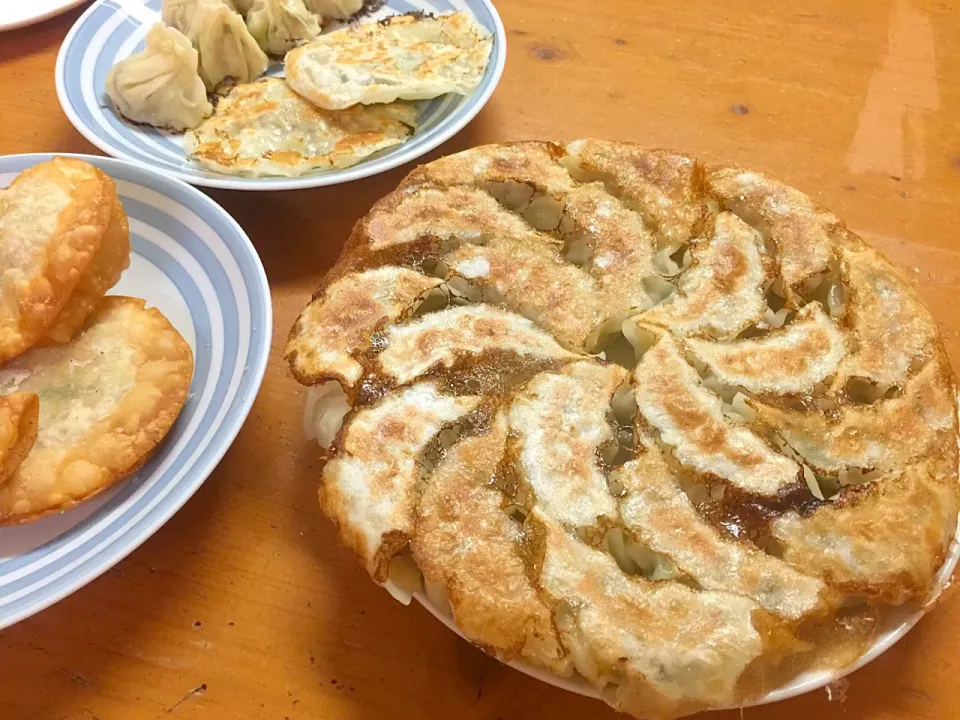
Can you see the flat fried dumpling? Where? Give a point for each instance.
(672, 650)
(441, 339)
(661, 516)
(53, 219)
(106, 399)
(264, 128)
(883, 540)
(722, 292)
(402, 57)
(790, 360)
(559, 424)
(689, 418)
(339, 322)
(19, 414)
(370, 488)
(469, 547)
(894, 332)
(280, 25)
(801, 230)
(662, 186)
(160, 85)
(334, 9)
(227, 49)
(884, 435)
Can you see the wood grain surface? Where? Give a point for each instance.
(244, 606)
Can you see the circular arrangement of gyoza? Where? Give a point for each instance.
(668, 425)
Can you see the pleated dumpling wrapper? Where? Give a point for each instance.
(405, 57)
(106, 400)
(59, 220)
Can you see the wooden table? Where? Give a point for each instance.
(244, 606)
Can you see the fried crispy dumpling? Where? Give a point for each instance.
(672, 427)
(264, 128)
(106, 399)
(104, 272)
(160, 85)
(53, 221)
(401, 57)
(19, 414)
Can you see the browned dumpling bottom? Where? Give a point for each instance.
(667, 425)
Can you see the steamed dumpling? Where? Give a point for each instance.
(334, 9)
(226, 47)
(241, 6)
(160, 85)
(178, 13)
(281, 25)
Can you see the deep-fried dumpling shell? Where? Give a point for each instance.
(52, 221)
(104, 272)
(19, 413)
(106, 399)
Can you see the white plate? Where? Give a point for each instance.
(113, 29)
(895, 625)
(19, 13)
(191, 260)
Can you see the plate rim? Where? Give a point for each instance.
(392, 160)
(802, 683)
(257, 368)
(64, 6)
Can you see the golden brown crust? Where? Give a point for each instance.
(52, 221)
(781, 441)
(19, 412)
(106, 400)
(104, 272)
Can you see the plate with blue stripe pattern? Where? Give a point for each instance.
(194, 263)
(110, 30)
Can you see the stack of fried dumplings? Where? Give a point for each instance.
(88, 384)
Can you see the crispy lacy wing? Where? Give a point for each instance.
(801, 229)
(722, 292)
(107, 398)
(660, 515)
(465, 542)
(52, 222)
(888, 434)
(793, 359)
(343, 315)
(893, 330)
(671, 649)
(663, 186)
(19, 416)
(559, 422)
(104, 272)
(369, 488)
(884, 540)
(444, 338)
(690, 420)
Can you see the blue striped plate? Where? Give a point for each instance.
(113, 29)
(191, 260)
